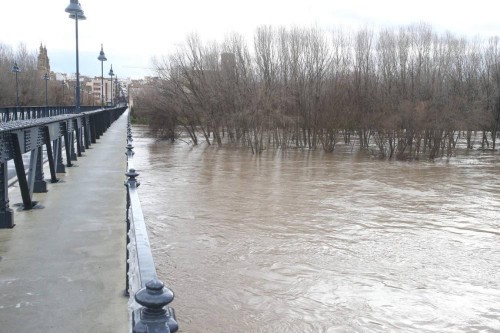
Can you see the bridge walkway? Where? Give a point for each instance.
(62, 267)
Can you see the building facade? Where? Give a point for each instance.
(108, 96)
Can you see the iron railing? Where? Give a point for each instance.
(18, 137)
(148, 297)
(34, 112)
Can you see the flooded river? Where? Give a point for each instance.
(304, 241)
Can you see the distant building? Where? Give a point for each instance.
(136, 87)
(61, 76)
(95, 83)
(43, 63)
(90, 87)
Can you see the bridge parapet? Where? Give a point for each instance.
(148, 297)
(18, 137)
(33, 112)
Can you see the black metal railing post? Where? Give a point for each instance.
(154, 315)
(86, 131)
(130, 151)
(72, 145)
(6, 214)
(67, 145)
(78, 138)
(93, 135)
(60, 167)
(21, 174)
(97, 126)
(50, 156)
(40, 185)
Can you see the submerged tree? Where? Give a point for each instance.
(404, 92)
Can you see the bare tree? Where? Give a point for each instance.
(410, 89)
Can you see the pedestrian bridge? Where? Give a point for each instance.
(78, 258)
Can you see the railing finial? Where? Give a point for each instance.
(132, 175)
(155, 316)
(130, 151)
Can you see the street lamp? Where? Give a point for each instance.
(16, 69)
(46, 78)
(76, 13)
(111, 73)
(102, 58)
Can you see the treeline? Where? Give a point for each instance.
(407, 92)
(31, 82)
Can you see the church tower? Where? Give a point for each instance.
(43, 64)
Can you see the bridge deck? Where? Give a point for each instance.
(62, 267)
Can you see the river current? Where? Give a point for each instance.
(303, 241)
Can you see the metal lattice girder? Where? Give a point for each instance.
(27, 129)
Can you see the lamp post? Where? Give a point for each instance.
(16, 69)
(102, 58)
(46, 78)
(111, 74)
(76, 13)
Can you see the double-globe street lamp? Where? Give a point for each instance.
(111, 74)
(102, 58)
(76, 13)
(16, 69)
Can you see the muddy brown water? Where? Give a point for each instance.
(304, 241)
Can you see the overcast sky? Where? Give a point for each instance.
(134, 31)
